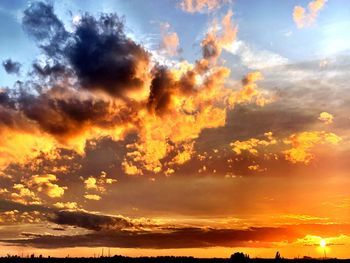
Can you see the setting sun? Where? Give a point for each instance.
(323, 243)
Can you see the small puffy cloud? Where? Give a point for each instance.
(90, 183)
(92, 197)
(250, 92)
(326, 117)
(194, 6)
(183, 155)
(22, 194)
(66, 205)
(251, 145)
(46, 183)
(305, 18)
(11, 67)
(219, 36)
(131, 169)
(99, 183)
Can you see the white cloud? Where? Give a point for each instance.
(254, 58)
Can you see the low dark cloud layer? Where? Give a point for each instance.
(90, 221)
(85, 220)
(184, 237)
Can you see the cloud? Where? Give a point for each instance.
(190, 237)
(254, 58)
(219, 37)
(7, 205)
(185, 154)
(82, 219)
(11, 67)
(28, 189)
(193, 6)
(303, 143)
(20, 217)
(118, 231)
(98, 51)
(250, 93)
(90, 221)
(326, 117)
(92, 197)
(40, 22)
(66, 205)
(94, 82)
(104, 58)
(252, 144)
(45, 183)
(306, 18)
(170, 42)
(98, 185)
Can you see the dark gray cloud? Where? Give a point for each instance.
(86, 220)
(40, 22)
(11, 67)
(104, 58)
(90, 221)
(6, 205)
(98, 51)
(62, 115)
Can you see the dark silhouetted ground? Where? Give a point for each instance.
(122, 259)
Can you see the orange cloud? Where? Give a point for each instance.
(19, 146)
(219, 37)
(250, 92)
(303, 143)
(170, 42)
(251, 145)
(305, 18)
(167, 112)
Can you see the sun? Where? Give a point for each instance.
(323, 243)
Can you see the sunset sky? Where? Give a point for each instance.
(175, 127)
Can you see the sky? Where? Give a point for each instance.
(176, 127)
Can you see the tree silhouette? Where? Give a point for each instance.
(239, 257)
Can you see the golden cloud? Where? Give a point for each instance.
(45, 183)
(92, 197)
(326, 117)
(303, 143)
(251, 145)
(99, 183)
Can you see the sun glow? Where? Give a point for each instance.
(323, 243)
